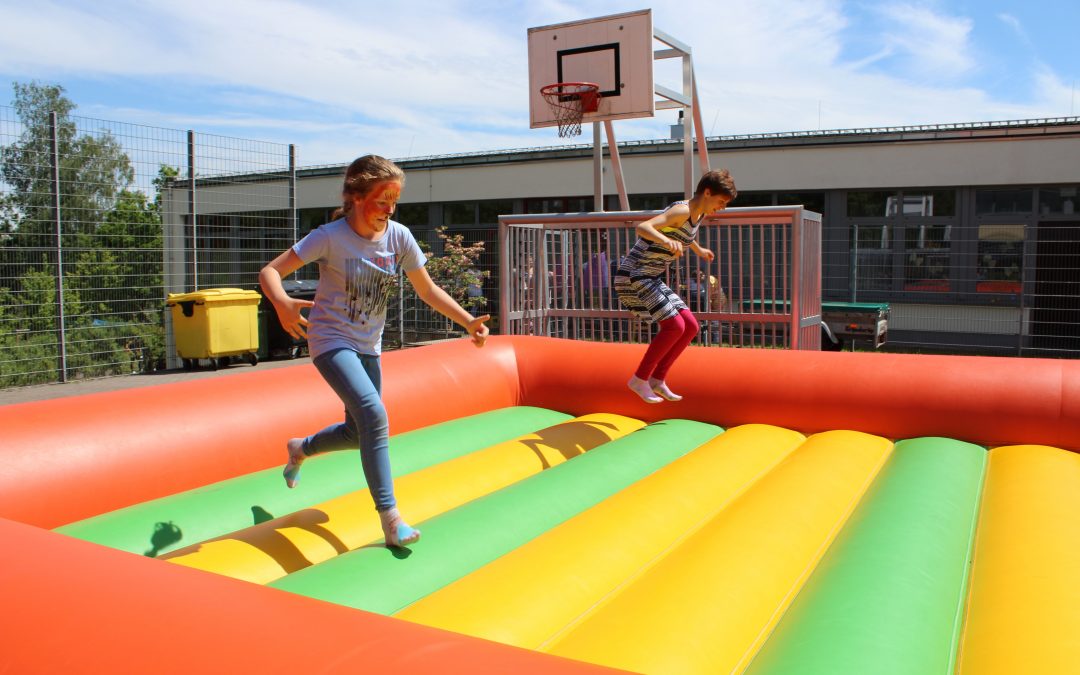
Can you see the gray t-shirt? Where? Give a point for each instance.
(356, 277)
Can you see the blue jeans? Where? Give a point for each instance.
(357, 380)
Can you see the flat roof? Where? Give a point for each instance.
(955, 131)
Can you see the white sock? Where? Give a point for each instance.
(642, 389)
(660, 388)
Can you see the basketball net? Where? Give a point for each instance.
(569, 101)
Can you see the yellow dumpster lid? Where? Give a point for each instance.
(213, 295)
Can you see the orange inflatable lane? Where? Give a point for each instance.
(97, 610)
(105, 451)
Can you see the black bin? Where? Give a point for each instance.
(279, 344)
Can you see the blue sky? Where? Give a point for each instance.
(340, 78)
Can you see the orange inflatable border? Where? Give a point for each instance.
(70, 605)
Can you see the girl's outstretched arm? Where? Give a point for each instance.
(287, 308)
(441, 302)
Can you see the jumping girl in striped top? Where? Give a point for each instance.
(638, 281)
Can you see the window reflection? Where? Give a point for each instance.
(940, 203)
(413, 215)
(1000, 263)
(873, 257)
(927, 251)
(869, 204)
(459, 213)
(1059, 201)
(1007, 200)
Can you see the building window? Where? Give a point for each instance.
(312, 218)
(1001, 259)
(459, 213)
(753, 199)
(651, 202)
(916, 203)
(988, 202)
(1059, 201)
(926, 255)
(811, 201)
(869, 204)
(491, 210)
(873, 257)
(559, 205)
(413, 215)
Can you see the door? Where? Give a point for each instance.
(1055, 313)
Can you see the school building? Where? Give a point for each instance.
(969, 232)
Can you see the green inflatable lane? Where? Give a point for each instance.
(455, 543)
(159, 526)
(888, 596)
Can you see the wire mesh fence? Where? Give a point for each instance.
(995, 271)
(92, 239)
(101, 220)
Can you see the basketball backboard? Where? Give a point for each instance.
(613, 51)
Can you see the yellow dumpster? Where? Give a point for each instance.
(215, 324)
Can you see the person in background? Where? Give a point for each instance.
(595, 273)
(359, 255)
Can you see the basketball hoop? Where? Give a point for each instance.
(569, 101)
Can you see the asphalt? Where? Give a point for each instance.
(80, 387)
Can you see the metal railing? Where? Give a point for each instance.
(763, 289)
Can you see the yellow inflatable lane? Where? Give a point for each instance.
(275, 548)
(710, 603)
(548, 583)
(1024, 597)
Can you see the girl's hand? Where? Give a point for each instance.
(478, 332)
(675, 247)
(707, 254)
(290, 317)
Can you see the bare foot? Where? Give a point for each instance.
(660, 388)
(642, 389)
(395, 530)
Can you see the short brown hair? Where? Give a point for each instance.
(717, 181)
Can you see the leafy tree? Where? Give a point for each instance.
(93, 170)
(112, 238)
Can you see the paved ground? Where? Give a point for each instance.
(46, 391)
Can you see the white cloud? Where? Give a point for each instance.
(340, 77)
(1013, 23)
(936, 45)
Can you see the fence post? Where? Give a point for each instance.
(192, 211)
(292, 193)
(798, 244)
(61, 336)
(853, 264)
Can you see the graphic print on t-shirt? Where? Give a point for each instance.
(367, 285)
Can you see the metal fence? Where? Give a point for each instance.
(100, 220)
(1004, 283)
(763, 289)
(90, 243)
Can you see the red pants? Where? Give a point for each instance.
(673, 337)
